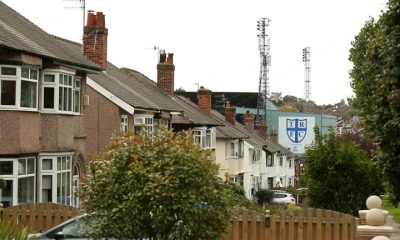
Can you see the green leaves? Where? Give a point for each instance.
(150, 187)
(375, 80)
(339, 174)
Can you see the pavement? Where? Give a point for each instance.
(396, 228)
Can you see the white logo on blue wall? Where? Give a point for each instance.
(296, 129)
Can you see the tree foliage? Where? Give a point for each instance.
(160, 188)
(264, 196)
(339, 174)
(375, 76)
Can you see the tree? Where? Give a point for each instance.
(276, 98)
(264, 196)
(163, 187)
(339, 174)
(375, 79)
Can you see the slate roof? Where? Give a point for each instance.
(192, 114)
(252, 138)
(135, 89)
(228, 131)
(20, 34)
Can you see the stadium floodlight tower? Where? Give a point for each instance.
(263, 87)
(307, 85)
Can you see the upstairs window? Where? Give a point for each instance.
(145, 123)
(61, 92)
(234, 148)
(206, 138)
(255, 155)
(18, 87)
(281, 161)
(29, 80)
(270, 160)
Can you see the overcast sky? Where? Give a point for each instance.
(215, 42)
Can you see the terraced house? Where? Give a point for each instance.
(61, 101)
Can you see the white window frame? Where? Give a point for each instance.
(143, 121)
(61, 190)
(238, 179)
(233, 148)
(16, 175)
(205, 137)
(124, 124)
(290, 162)
(255, 155)
(64, 82)
(281, 161)
(18, 86)
(255, 184)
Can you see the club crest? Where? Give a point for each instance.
(296, 129)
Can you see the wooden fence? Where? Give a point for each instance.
(304, 224)
(38, 216)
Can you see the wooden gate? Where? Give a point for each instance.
(38, 216)
(303, 224)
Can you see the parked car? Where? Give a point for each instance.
(283, 197)
(74, 228)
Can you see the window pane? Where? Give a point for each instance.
(28, 94)
(24, 72)
(65, 99)
(8, 92)
(34, 74)
(6, 168)
(68, 163)
(49, 78)
(59, 197)
(47, 164)
(61, 79)
(9, 71)
(60, 98)
(69, 80)
(68, 188)
(30, 165)
(26, 188)
(76, 101)
(58, 163)
(47, 182)
(7, 196)
(48, 101)
(22, 166)
(69, 99)
(77, 83)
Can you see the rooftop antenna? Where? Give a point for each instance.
(156, 48)
(77, 4)
(307, 68)
(265, 62)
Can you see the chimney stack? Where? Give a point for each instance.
(274, 135)
(204, 100)
(230, 113)
(166, 72)
(249, 121)
(262, 128)
(95, 39)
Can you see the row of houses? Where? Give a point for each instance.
(60, 102)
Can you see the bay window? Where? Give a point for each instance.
(255, 155)
(19, 174)
(18, 87)
(61, 92)
(234, 148)
(206, 138)
(55, 174)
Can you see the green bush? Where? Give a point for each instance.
(164, 187)
(8, 232)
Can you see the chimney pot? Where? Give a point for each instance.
(100, 20)
(170, 58)
(91, 19)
